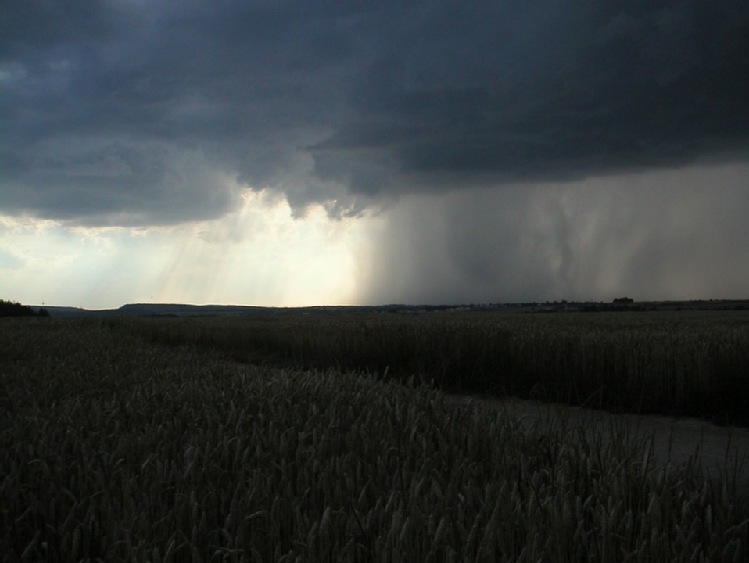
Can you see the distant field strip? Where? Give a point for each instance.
(686, 363)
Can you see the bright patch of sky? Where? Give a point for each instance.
(257, 255)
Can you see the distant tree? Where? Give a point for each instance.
(623, 301)
(13, 309)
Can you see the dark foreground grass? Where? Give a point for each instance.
(674, 363)
(114, 449)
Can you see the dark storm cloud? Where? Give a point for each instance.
(147, 111)
(539, 91)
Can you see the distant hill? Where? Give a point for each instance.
(68, 312)
(183, 310)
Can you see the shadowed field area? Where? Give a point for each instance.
(678, 363)
(116, 448)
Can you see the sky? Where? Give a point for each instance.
(284, 153)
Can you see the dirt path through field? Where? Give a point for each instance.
(675, 439)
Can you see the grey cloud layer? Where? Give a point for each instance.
(139, 111)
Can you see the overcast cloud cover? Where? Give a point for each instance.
(514, 149)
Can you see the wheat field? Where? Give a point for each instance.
(117, 447)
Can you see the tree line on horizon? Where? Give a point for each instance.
(13, 309)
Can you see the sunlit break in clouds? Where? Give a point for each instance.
(258, 254)
(300, 153)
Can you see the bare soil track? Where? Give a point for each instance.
(720, 450)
